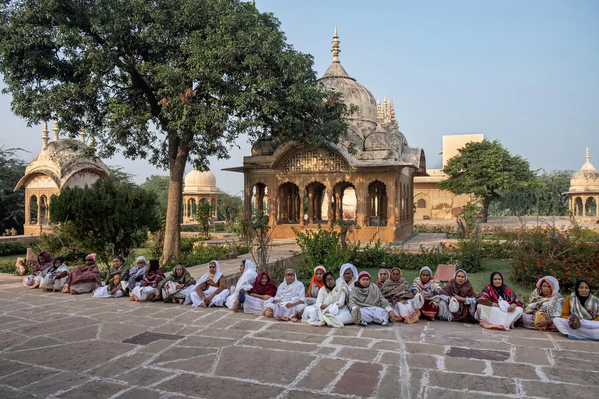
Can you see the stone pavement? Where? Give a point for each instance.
(65, 346)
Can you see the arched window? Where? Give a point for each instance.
(33, 210)
(421, 203)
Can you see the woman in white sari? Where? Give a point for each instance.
(248, 276)
(56, 276)
(290, 301)
(331, 305)
(210, 290)
(348, 274)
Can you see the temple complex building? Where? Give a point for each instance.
(430, 201)
(302, 187)
(199, 187)
(62, 163)
(584, 193)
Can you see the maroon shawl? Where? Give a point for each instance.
(270, 288)
(84, 274)
(453, 288)
(43, 266)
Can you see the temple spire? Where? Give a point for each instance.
(82, 135)
(45, 136)
(335, 49)
(588, 157)
(55, 130)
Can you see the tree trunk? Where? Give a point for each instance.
(484, 214)
(172, 229)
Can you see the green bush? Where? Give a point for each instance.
(200, 255)
(495, 249)
(13, 248)
(373, 257)
(57, 245)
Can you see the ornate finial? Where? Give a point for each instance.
(45, 136)
(588, 156)
(385, 110)
(55, 130)
(82, 134)
(335, 49)
(392, 112)
(92, 144)
(253, 3)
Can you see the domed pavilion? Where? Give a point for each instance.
(584, 192)
(199, 187)
(304, 187)
(62, 163)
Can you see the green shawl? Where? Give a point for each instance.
(123, 271)
(184, 279)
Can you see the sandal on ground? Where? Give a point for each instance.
(384, 322)
(363, 323)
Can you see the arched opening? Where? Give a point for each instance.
(343, 201)
(289, 204)
(377, 205)
(421, 203)
(578, 206)
(191, 208)
(43, 216)
(33, 210)
(590, 206)
(214, 208)
(259, 198)
(314, 195)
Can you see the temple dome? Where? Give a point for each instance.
(264, 147)
(200, 182)
(586, 179)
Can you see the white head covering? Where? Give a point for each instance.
(460, 270)
(141, 259)
(206, 276)
(245, 282)
(344, 267)
(291, 292)
(388, 273)
(554, 284)
(428, 269)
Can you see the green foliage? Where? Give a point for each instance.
(158, 185)
(57, 244)
(568, 256)
(485, 169)
(108, 218)
(12, 248)
(12, 204)
(202, 216)
(547, 197)
(229, 210)
(372, 257)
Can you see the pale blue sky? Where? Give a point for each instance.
(525, 73)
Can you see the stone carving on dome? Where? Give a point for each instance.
(315, 161)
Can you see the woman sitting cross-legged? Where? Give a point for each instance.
(176, 286)
(290, 301)
(136, 273)
(331, 305)
(259, 296)
(148, 288)
(545, 304)
(56, 276)
(457, 299)
(429, 288)
(383, 276)
(44, 262)
(397, 291)
(580, 315)
(367, 304)
(247, 278)
(120, 267)
(497, 307)
(348, 274)
(210, 290)
(84, 278)
(113, 289)
(315, 285)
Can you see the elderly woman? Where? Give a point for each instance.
(580, 315)
(429, 288)
(210, 290)
(383, 276)
(290, 301)
(113, 289)
(136, 273)
(397, 291)
(457, 299)
(331, 305)
(120, 267)
(83, 279)
(498, 308)
(176, 286)
(259, 296)
(248, 276)
(315, 284)
(44, 262)
(367, 304)
(348, 274)
(148, 288)
(545, 304)
(56, 276)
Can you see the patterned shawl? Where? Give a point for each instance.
(314, 281)
(395, 291)
(433, 285)
(184, 279)
(367, 296)
(40, 267)
(590, 310)
(540, 303)
(152, 277)
(270, 288)
(493, 294)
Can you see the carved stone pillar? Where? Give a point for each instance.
(311, 205)
(301, 208)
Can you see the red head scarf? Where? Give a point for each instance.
(270, 288)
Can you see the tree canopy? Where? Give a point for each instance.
(108, 218)
(486, 169)
(12, 204)
(166, 80)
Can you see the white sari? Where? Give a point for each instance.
(217, 300)
(48, 281)
(344, 267)
(288, 293)
(336, 313)
(244, 283)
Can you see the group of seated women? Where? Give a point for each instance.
(351, 298)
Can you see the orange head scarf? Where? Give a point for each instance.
(320, 284)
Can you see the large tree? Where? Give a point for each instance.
(485, 169)
(168, 80)
(12, 204)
